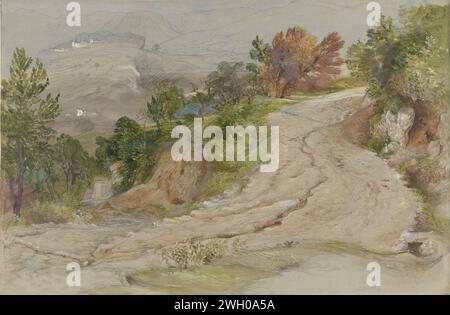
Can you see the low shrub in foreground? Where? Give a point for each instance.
(194, 253)
(45, 212)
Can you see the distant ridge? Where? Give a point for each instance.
(104, 37)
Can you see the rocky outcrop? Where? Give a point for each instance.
(396, 127)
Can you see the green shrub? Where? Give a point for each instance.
(194, 253)
(378, 143)
(45, 212)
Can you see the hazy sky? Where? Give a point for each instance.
(187, 27)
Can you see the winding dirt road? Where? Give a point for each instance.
(327, 191)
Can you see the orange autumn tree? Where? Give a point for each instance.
(297, 62)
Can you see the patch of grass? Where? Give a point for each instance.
(228, 174)
(439, 225)
(427, 164)
(45, 212)
(378, 143)
(7, 220)
(419, 172)
(208, 279)
(341, 84)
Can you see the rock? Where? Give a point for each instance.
(399, 126)
(427, 248)
(392, 147)
(434, 149)
(423, 244)
(396, 127)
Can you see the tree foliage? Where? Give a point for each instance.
(405, 63)
(132, 147)
(297, 62)
(26, 115)
(226, 84)
(167, 100)
(73, 160)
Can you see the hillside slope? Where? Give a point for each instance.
(330, 209)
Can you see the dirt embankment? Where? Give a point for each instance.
(423, 161)
(166, 193)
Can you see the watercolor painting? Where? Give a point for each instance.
(226, 147)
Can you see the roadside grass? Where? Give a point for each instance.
(440, 225)
(377, 144)
(409, 172)
(341, 84)
(237, 271)
(44, 212)
(228, 174)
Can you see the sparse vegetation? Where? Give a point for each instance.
(193, 253)
(434, 223)
(43, 212)
(377, 144)
(405, 64)
(419, 173)
(340, 84)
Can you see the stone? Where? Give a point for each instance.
(434, 149)
(427, 248)
(396, 127)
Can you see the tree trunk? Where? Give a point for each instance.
(284, 91)
(50, 188)
(20, 180)
(158, 125)
(12, 193)
(67, 179)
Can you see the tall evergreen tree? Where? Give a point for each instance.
(25, 116)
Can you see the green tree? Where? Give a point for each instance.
(404, 63)
(157, 112)
(260, 54)
(133, 149)
(260, 51)
(204, 100)
(25, 114)
(171, 96)
(101, 155)
(226, 84)
(44, 177)
(73, 160)
(164, 104)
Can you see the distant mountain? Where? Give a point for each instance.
(103, 37)
(103, 76)
(216, 30)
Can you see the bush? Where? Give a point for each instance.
(194, 253)
(235, 114)
(378, 143)
(44, 212)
